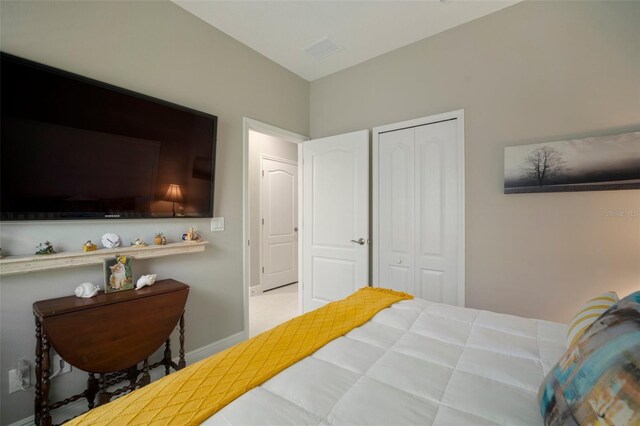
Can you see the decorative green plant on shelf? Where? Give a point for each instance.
(45, 248)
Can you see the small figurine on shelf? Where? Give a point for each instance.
(138, 243)
(89, 246)
(192, 235)
(146, 280)
(45, 248)
(160, 239)
(86, 290)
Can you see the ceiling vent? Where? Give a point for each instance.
(322, 48)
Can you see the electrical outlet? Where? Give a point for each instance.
(60, 366)
(15, 383)
(20, 377)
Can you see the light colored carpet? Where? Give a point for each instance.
(272, 308)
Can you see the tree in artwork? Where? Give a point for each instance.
(544, 164)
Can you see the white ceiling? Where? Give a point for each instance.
(280, 30)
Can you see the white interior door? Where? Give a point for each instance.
(335, 232)
(279, 223)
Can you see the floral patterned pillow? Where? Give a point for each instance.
(597, 380)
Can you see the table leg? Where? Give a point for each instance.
(45, 416)
(167, 357)
(132, 374)
(92, 390)
(181, 362)
(38, 398)
(146, 377)
(103, 395)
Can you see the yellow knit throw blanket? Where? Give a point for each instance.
(191, 395)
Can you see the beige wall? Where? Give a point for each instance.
(158, 49)
(269, 145)
(533, 72)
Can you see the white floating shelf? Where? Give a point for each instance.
(13, 265)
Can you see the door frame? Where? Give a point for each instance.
(268, 129)
(458, 115)
(261, 233)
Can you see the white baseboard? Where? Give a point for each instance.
(213, 348)
(27, 421)
(75, 408)
(255, 290)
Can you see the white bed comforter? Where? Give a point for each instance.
(414, 363)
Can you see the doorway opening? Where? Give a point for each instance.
(271, 217)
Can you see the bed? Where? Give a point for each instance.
(415, 362)
(378, 357)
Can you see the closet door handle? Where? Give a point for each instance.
(360, 241)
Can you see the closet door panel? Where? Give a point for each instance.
(430, 195)
(436, 192)
(400, 278)
(431, 285)
(396, 206)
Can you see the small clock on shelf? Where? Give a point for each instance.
(110, 240)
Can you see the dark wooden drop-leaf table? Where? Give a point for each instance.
(107, 335)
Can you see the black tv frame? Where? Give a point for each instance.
(86, 80)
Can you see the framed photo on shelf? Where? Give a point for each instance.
(118, 274)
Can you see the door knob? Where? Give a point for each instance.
(359, 241)
(295, 229)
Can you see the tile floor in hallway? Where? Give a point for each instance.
(272, 307)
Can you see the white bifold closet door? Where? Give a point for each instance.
(396, 209)
(419, 211)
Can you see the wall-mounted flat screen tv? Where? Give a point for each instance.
(76, 148)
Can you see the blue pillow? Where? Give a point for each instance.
(597, 380)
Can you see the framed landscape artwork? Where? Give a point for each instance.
(589, 164)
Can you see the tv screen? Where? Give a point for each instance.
(75, 148)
